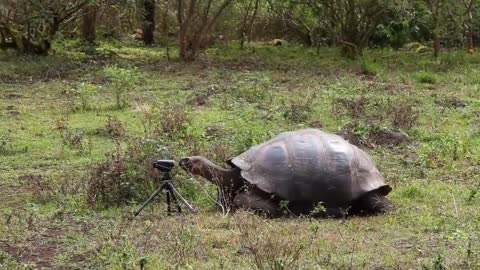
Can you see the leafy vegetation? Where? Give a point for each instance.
(70, 178)
(91, 92)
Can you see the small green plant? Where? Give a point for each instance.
(86, 92)
(253, 88)
(122, 80)
(7, 147)
(75, 139)
(369, 67)
(298, 110)
(425, 77)
(279, 251)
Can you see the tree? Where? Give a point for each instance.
(249, 15)
(195, 20)
(296, 18)
(148, 21)
(31, 25)
(352, 22)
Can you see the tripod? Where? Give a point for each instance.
(171, 192)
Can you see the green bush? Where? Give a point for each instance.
(425, 77)
(122, 80)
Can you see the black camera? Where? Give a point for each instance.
(164, 165)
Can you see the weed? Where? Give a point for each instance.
(113, 128)
(253, 88)
(473, 192)
(108, 183)
(86, 92)
(411, 192)
(355, 106)
(451, 102)
(73, 138)
(437, 264)
(280, 251)
(404, 115)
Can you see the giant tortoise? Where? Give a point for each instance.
(299, 172)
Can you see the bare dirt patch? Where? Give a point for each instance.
(388, 137)
(39, 249)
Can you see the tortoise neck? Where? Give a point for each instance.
(218, 175)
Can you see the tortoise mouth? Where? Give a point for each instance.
(185, 163)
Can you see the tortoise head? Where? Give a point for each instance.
(196, 165)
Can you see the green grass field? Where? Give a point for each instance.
(63, 116)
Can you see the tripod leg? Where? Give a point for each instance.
(169, 208)
(174, 197)
(179, 196)
(179, 209)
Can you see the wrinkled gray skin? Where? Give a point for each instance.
(304, 172)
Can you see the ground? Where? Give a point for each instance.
(62, 117)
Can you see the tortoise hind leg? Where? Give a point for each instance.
(372, 203)
(257, 201)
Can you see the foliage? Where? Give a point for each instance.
(434, 174)
(426, 77)
(124, 177)
(31, 26)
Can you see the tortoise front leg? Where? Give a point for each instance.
(257, 201)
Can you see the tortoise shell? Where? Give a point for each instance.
(310, 165)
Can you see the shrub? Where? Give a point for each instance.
(113, 128)
(86, 92)
(369, 67)
(173, 120)
(124, 177)
(123, 80)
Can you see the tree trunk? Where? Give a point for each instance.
(89, 18)
(252, 21)
(469, 23)
(165, 19)
(243, 29)
(435, 6)
(149, 22)
(436, 45)
(436, 37)
(195, 27)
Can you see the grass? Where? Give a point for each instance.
(51, 137)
